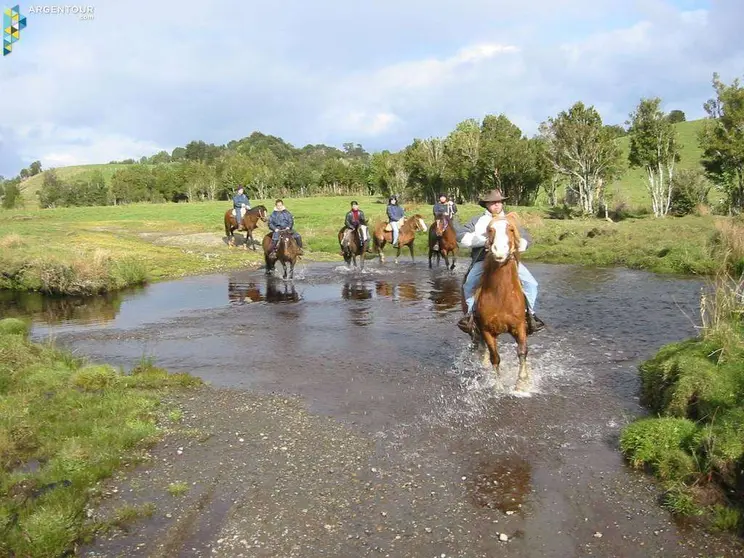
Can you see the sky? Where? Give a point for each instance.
(141, 77)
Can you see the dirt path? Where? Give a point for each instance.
(266, 478)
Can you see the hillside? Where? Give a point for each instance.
(633, 183)
(631, 186)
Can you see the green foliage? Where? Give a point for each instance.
(690, 189)
(76, 424)
(722, 141)
(13, 326)
(581, 149)
(11, 194)
(676, 116)
(654, 147)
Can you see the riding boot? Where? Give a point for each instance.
(534, 324)
(467, 323)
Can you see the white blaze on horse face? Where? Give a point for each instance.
(500, 245)
(423, 225)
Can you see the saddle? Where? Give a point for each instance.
(389, 227)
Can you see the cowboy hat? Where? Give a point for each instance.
(491, 197)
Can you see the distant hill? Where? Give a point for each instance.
(632, 184)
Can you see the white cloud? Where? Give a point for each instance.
(379, 73)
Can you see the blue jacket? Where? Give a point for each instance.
(444, 208)
(395, 212)
(281, 220)
(239, 200)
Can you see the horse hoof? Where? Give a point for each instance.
(523, 386)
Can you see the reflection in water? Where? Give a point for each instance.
(445, 292)
(53, 310)
(397, 291)
(275, 290)
(501, 483)
(360, 313)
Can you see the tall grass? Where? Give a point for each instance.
(695, 389)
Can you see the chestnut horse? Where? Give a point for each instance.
(287, 252)
(353, 248)
(443, 235)
(247, 224)
(406, 235)
(500, 305)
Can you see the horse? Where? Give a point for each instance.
(443, 235)
(383, 234)
(249, 222)
(500, 305)
(287, 252)
(354, 247)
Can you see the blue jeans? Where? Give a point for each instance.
(394, 224)
(529, 285)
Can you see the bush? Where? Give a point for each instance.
(690, 189)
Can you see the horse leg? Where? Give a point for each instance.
(410, 247)
(431, 253)
(291, 269)
(454, 258)
(524, 381)
(379, 247)
(493, 353)
(446, 258)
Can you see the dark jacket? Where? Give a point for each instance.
(351, 224)
(395, 212)
(281, 220)
(444, 208)
(239, 200)
(478, 252)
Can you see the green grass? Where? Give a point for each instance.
(65, 425)
(87, 250)
(695, 391)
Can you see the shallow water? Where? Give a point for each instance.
(380, 349)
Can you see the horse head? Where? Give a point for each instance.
(502, 239)
(441, 223)
(262, 212)
(418, 224)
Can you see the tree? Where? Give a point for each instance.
(676, 116)
(462, 154)
(34, 168)
(722, 141)
(580, 148)
(11, 193)
(654, 147)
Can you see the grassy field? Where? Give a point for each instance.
(50, 468)
(97, 249)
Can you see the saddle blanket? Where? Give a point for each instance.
(389, 227)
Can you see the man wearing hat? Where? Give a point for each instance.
(473, 235)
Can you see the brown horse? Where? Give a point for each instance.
(500, 305)
(443, 235)
(406, 236)
(353, 247)
(248, 223)
(287, 252)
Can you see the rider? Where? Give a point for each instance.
(395, 213)
(473, 235)
(282, 220)
(444, 206)
(240, 203)
(355, 220)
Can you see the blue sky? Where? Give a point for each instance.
(137, 79)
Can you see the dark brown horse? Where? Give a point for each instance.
(442, 235)
(352, 245)
(500, 305)
(407, 234)
(287, 252)
(248, 223)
